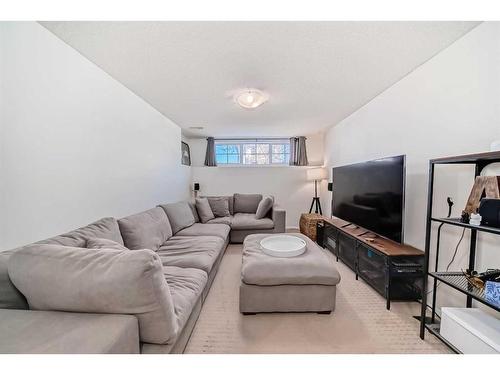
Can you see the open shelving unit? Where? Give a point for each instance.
(455, 280)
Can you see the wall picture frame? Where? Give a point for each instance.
(185, 154)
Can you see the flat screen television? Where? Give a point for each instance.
(371, 195)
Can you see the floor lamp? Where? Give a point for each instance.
(316, 174)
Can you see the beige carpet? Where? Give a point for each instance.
(359, 324)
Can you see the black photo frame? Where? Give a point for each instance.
(185, 154)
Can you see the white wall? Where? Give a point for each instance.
(287, 184)
(448, 106)
(76, 145)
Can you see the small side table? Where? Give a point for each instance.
(308, 223)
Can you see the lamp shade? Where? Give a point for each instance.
(316, 174)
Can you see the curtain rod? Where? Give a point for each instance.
(255, 139)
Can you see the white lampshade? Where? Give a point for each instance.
(316, 174)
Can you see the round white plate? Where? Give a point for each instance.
(283, 246)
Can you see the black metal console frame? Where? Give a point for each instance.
(480, 161)
(390, 268)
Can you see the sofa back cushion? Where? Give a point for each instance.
(10, 297)
(192, 206)
(61, 278)
(106, 227)
(179, 214)
(246, 203)
(230, 201)
(204, 210)
(219, 206)
(264, 206)
(102, 243)
(146, 230)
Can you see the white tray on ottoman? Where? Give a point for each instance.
(304, 283)
(283, 246)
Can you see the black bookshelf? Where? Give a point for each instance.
(455, 280)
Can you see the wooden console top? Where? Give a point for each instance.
(385, 246)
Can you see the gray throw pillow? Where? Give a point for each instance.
(219, 206)
(63, 278)
(264, 206)
(103, 243)
(204, 210)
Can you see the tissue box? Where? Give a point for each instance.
(492, 292)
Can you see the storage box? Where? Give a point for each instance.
(472, 331)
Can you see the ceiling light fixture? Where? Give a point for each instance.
(250, 98)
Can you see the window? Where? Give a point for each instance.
(252, 152)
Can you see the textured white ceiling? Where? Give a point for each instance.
(316, 73)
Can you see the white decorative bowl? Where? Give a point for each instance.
(283, 246)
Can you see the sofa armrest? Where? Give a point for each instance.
(278, 216)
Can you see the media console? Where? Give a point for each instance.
(392, 269)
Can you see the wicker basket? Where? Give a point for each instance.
(308, 223)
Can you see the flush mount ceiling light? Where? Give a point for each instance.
(250, 98)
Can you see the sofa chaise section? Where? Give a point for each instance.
(38, 332)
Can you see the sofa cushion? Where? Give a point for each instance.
(10, 297)
(106, 227)
(264, 206)
(55, 332)
(219, 206)
(246, 203)
(145, 230)
(186, 286)
(199, 229)
(249, 221)
(227, 220)
(102, 243)
(191, 252)
(179, 214)
(60, 278)
(192, 206)
(204, 210)
(230, 201)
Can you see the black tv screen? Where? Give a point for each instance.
(371, 195)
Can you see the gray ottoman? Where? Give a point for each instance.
(305, 283)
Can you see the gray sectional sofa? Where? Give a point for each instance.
(133, 285)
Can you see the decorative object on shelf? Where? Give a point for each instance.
(489, 208)
(487, 185)
(186, 154)
(492, 292)
(316, 174)
(465, 217)
(308, 223)
(196, 189)
(478, 280)
(475, 219)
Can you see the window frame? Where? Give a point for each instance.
(241, 143)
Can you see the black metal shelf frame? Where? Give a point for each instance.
(452, 279)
